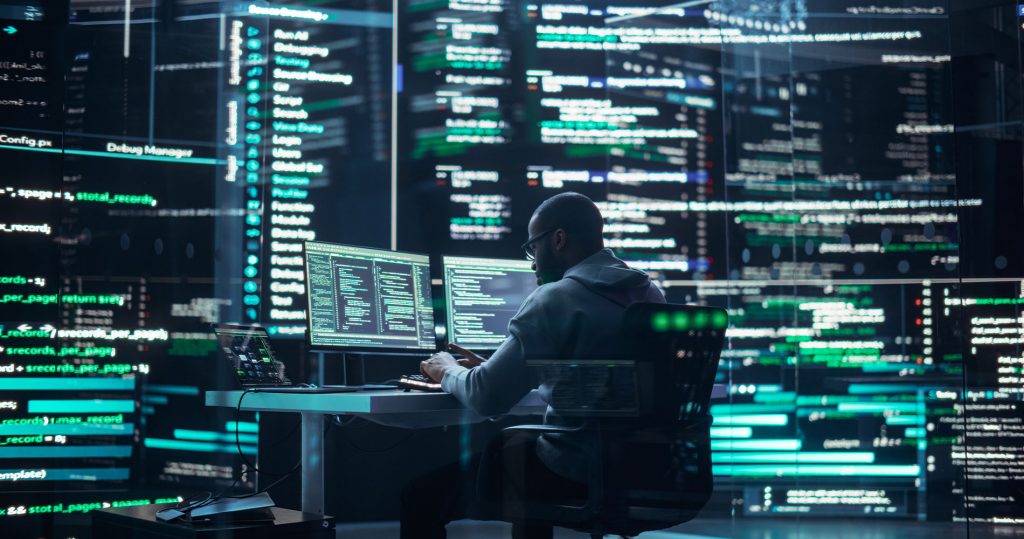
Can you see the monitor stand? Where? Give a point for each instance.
(347, 382)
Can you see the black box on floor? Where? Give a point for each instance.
(140, 522)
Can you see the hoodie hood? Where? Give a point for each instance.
(603, 270)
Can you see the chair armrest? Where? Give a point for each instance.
(594, 462)
(542, 429)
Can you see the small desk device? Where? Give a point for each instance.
(247, 349)
(252, 508)
(481, 296)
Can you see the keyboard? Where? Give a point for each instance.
(418, 381)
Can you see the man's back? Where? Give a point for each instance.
(580, 315)
(576, 317)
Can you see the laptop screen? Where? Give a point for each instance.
(247, 350)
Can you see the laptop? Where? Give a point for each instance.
(247, 350)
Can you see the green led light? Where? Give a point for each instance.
(681, 321)
(719, 320)
(659, 322)
(700, 320)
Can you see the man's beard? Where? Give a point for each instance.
(548, 277)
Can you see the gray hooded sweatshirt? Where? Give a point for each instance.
(578, 317)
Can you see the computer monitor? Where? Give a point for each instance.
(481, 296)
(363, 299)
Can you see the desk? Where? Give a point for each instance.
(396, 408)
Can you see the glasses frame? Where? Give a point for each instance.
(529, 249)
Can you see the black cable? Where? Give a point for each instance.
(209, 497)
(338, 423)
(238, 444)
(270, 486)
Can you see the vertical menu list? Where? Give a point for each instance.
(292, 86)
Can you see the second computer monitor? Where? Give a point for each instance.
(368, 299)
(481, 296)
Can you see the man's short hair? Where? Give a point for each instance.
(577, 215)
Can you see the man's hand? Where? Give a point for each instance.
(469, 360)
(434, 367)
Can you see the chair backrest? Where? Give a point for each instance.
(591, 389)
(657, 465)
(665, 377)
(677, 349)
(646, 419)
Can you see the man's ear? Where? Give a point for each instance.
(560, 239)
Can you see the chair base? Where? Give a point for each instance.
(532, 531)
(544, 531)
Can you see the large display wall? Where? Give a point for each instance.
(845, 177)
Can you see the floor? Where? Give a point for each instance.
(720, 529)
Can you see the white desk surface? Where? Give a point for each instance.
(384, 406)
(395, 407)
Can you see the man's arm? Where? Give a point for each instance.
(496, 385)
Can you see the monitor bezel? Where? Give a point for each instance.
(362, 349)
(448, 319)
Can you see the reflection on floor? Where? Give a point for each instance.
(737, 529)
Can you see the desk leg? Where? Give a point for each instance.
(313, 463)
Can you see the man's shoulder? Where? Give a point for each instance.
(549, 296)
(554, 291)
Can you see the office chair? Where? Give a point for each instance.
(650, 467)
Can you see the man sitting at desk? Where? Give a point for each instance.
(575, 313)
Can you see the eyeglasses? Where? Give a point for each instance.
(530, 248)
